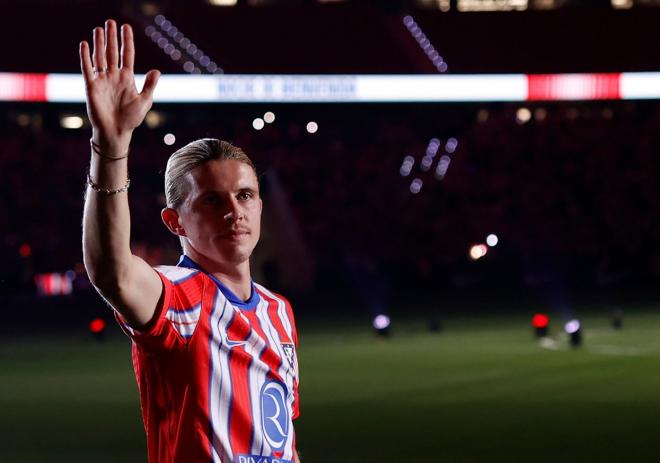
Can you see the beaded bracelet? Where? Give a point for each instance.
(97, 149)
(105, 191)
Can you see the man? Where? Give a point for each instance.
(214, 354)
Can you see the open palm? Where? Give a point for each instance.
(114, 105)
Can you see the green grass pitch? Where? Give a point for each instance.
(482, 390)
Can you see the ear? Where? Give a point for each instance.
(172, 222)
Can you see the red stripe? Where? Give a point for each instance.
(275, 319)
(268, 356)
(550, 87)
(239, 366)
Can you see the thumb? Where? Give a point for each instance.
(150, 81)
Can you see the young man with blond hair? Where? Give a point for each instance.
(214, 353)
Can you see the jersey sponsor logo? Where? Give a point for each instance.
(274, 414)
(231, 343)
(259, 459)
(290, 353)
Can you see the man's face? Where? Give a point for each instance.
(221, 215)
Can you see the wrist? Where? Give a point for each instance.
(113, 146)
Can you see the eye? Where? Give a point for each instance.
(244, 195)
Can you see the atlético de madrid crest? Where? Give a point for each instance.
(290, 352)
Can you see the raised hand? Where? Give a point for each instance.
(114, 105)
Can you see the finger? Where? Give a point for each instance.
(127, 47)
(99, 49)
(150, 81)
(111, 48)
(86, 62)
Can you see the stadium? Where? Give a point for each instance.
(458, 200)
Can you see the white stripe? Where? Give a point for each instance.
(256, 377)
(176, 274)
(285, 370)
(220, 388)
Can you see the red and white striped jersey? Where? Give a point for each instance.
(218, 376)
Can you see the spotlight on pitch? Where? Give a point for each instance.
(540, 322)
(573, 329)
(381, 324)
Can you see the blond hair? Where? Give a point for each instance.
(193, 155)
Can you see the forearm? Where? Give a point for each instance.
(106, 217)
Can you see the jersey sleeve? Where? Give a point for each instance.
(177, 314)
(294, 332)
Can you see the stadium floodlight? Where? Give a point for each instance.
(97, 328)
(169, 139)
(258, 123)
(381, 324)
(573, 329)
(223, 2)
(477, 251)
(72, 122)
(269, 117)
(540, 322)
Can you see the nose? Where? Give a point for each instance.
(234, 214)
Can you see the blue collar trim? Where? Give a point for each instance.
(251, 303)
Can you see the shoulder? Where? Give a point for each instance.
(178, 275)
(271, 294)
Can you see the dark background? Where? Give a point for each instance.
(572, 194)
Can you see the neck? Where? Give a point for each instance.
(234, 276)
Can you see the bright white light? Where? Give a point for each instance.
(381, 322)
(492, 240)
(269, 117)
(477, 251)
(572, 326)
(258, 123)
(523, 115)
(622, 4)
(71, 122)
(169, 139)
(312, 127)
(416, 186)
(223, 2)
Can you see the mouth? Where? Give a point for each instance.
(236, 235)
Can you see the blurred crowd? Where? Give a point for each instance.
(570, 190)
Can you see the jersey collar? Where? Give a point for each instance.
(251, 303)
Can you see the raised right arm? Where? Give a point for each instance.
(115, 109)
